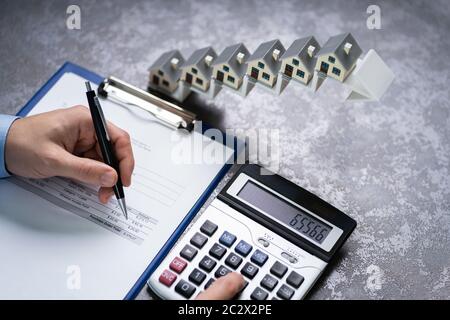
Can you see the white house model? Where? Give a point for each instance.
(230, 66)
(165, 72)
(264, 63)
(299, 60)
(338, 56)
(197, 70)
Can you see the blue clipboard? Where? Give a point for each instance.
(97, 79)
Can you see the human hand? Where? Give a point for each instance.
(224, 288)
(63, 143)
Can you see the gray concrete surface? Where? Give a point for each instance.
(385, 164)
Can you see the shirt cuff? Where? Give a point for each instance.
(5, 124)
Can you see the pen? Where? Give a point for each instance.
(105, 144)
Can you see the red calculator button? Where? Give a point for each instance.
(178, 265)
(167, 278)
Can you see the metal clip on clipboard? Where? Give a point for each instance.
(166, 112)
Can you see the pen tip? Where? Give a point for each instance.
(123, 207)
(88, 86)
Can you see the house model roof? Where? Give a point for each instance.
(265, 51)
(299, 49)
(336, 45)
(197, 60)
(164, 63)
(229, 57)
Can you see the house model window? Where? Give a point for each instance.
(336, 71)
(161, 73)
(295, 62)
(194, 71)
(261, 65)
(266, 76)
(199, 81)
(231, 79)
(226, 68)
(300, 73)
(166, 83)
(332, 59)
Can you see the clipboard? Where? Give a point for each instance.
(69, 67)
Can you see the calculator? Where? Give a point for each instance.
(279, 236)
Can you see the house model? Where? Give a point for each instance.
(264, 64)
(230, 66)
(165, 72)
(197, 70)
(338, 56)
(299, 61)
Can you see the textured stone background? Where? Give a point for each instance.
(385, 164)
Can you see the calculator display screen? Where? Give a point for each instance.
(291, 216)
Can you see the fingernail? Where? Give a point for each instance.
(107, 179)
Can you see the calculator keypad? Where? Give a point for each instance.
(224, 256)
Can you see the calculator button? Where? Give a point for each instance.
(289, 257)
(269, 282)
(221, 271)
(294, 279)
(209, 283)
(259, 258)
(178, 265)
(259, 294)
(227, 239)
(208, 228)
(233, 260)
(197, 276)
(243, 248)
(249, 270)
(217, 251)
(185, 289)
(264, 242)
(167, 278)
(188, 252)
(199, 240)
(278, 269)
(285, 292)
(207, 264)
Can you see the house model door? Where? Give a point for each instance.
(189, 78)
(324, 67)
(288, 70)
(220, 76)
(255, 73)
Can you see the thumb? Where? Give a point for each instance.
(224, 288)
(86, 170)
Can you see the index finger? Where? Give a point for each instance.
(224, 288)
(122, 147)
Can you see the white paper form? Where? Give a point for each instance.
(58, 241)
